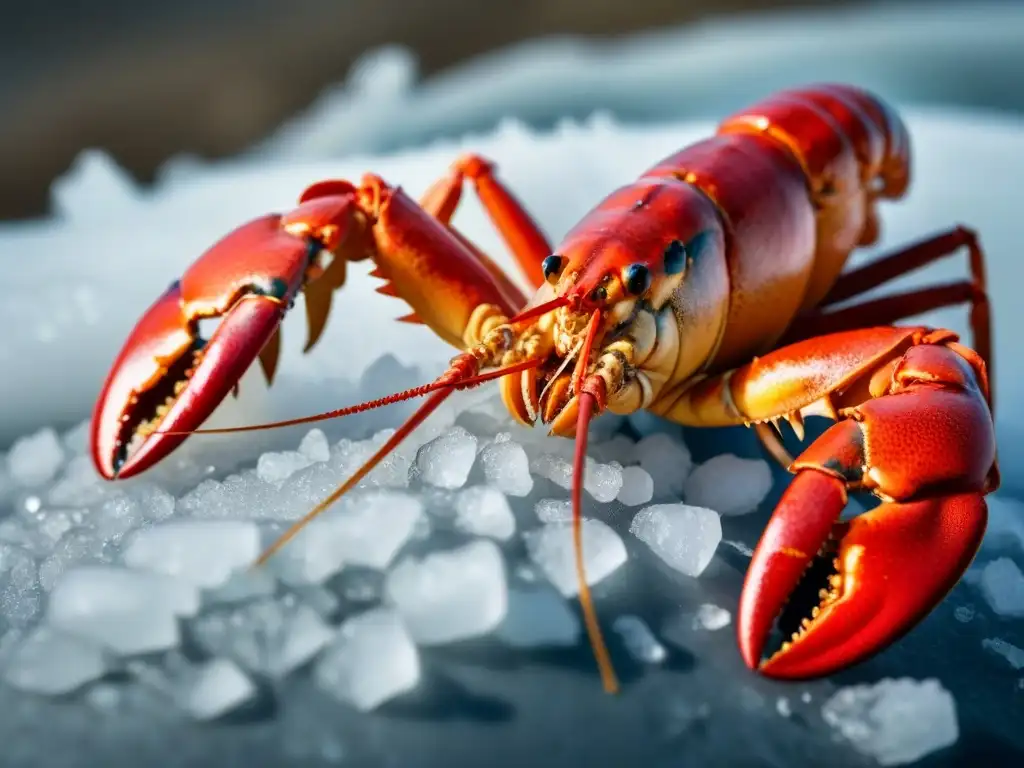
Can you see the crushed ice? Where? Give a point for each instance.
(897, 722)
(124, 574)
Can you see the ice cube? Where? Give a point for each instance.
(538, 618)
(1002, 585)
(445, 461)
(684, 537)
(276, 467)
(637, 487)
(484, 511)
(241, 587)
(896, 721)
(53, 663)
(371, 660)
(450, 596)
(711, 617)
(34, 460)
(783, 707)
(268, 637)
(365, 529)
(216, 688)
(639, 640)
(964, 614)
(1009, 651)
(667, 460)
(315, 447)
(729, 485)
(551, 548)
(507, 467)
(204, 553)
(128, 612)
(553, 510)
(620, 449)
(602, 481)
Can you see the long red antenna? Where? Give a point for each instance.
(540, 309)
(449, 383)
(587, 402)
(409, 394)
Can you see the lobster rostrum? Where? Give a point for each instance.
(711, 291)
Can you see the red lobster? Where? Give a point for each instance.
(706, 292)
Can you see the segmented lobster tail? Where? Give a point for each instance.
(844, 137)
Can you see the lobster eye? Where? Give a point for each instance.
(552, 267)
(637, 279)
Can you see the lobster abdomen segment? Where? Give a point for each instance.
(760, 192)
(853, 149)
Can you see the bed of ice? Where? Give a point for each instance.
(429, 618)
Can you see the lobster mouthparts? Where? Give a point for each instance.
(169, 378)
(841, 592)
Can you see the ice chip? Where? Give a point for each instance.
(35, 460)
(371, 660)
(551, 548)
(267, 637)
(538, 618)
(445, 461)
(216, 688)
(315, 447)
(639, 640)
(276, 467)
(204, 553)
(1009, 651)
(684, 537)
(637, 487)
(128, 612)
(449, 596)
(728, 484)
(553, 510)
(54, 663)
(365, 529)
(507, 467)
(484, 511)
(1002, 585)
(895, 721)
(711, 617)
(667, 460)
(602, 481)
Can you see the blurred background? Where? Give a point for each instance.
(210, 78)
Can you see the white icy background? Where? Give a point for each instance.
(140, 581)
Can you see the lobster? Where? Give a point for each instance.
(711, 291)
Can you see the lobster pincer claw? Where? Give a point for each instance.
(167, 377)
(841, 591)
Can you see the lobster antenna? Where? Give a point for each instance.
(540, 309)
(438, 397)
(409, 394)
(587, 401)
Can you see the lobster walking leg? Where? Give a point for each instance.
(520, 232)
(914, 428)
(892, 309)
(895, 308)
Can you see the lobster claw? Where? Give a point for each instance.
(872, 580)
(167, 377)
